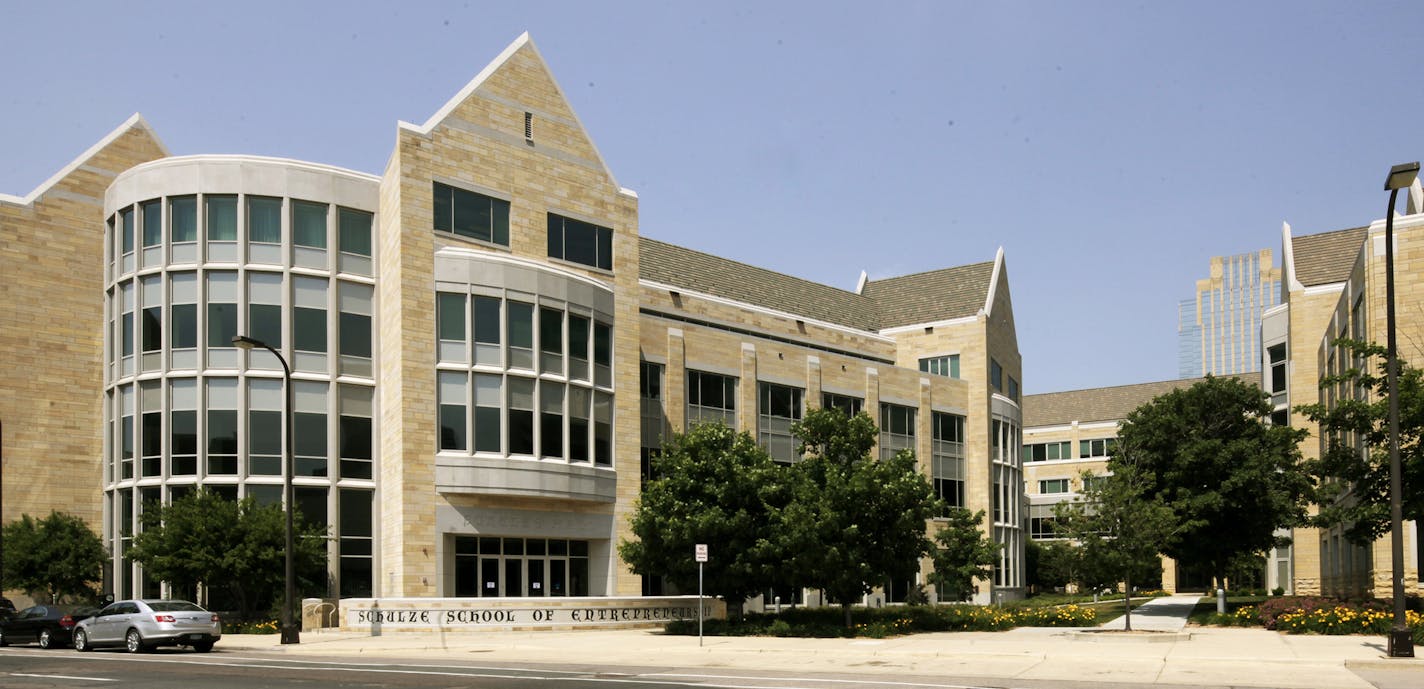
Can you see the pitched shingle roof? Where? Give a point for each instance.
(698, 272)
(1321, 259)
(1102, 404)
(937, 295)
(920, 298)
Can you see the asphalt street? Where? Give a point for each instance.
(31, 668)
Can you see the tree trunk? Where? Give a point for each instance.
(846, 608)
(1127, 602)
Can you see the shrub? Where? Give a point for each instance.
(892, 621)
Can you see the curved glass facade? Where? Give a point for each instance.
(200, 250)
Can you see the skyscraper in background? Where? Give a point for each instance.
(1218, 331)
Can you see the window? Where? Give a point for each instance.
(183, 218)
(520, 327)
(126, 222)
(309, 429)
(551, 340)
(996, 375)
(711, 398)
(152, 212)
(602, 429)
(580, 242)
(450, 326)
(356, 546)
(354, 432)
(222, 426)
(778, 406)
(470, 214)
(1042, 522)
(309, 224)
(492, 566)
(1047, 452)
(222, 218)
(264, 309)
(850, 405)
(264, 426)
(947, 366)
(1053, 485)
(602, 353)
(579, 346)
(485, 324)
(488, 391)
(521, 416)
(151, 445)
(897, 429)
(1013, 389)
(353, 229)
(452, 410)
(354, 328)
(264, 220)
(1277, 354)
(650, 387)
(1100, 447)
(183, 427)
(947, 458)
(151, 318)
(551, 419)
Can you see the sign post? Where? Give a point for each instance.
(700, 553)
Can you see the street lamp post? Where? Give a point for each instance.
(290, 633)
(1401, 641)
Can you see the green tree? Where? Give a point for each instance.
(1229, 478)
(55, 559)
(238, 546)
(1355, 462)
(964, 553)
(1052, 564)
(717, 487)
(853, 522)
(1120, 525)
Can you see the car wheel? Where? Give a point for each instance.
(133, 643)
(203, 646)
(46, 641)
(81, 641)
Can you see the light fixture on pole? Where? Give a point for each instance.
(1401, 640)
(290, 633)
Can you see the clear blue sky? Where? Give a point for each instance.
(1110, 148)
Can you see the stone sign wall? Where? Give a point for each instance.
(379, 615)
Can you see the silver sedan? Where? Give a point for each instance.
(139, 625)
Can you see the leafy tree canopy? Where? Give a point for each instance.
(1355, 460)
(963, 553)
(57, 558)
(1229, 478)
(854, 522)
(717, 487)
(204, 538)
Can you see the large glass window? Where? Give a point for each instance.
(489, 566)
(551, 419)
(183, 218)
(1277, 355)
(486, 331)
(151, 448)
(1047, 452)
(471, 214)
(778, 406)
(947, 366)
(711, 398)
(488, 391)
(1053, 486)
(354, 231)
(354, 328)
(520, 327)
(551, 340)
(264, 426)
(222, 426)
(996, 375)
(309, 224)
(1097, 447)
(897, 429)
(846, 403)
(355, 432)
(453, 395)
(264, 220)
(356, 543)
(947, 458)
(650, 383)
(521, 416)
(309, 428)
(152, 212)
(580, 242)
(183, 426)
(222, 218)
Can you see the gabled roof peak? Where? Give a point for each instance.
(135, 121)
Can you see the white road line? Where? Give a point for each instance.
(86, 679)
(826, 680)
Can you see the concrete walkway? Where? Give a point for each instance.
(1209, 656)
(1168, 614)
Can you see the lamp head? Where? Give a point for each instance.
(245, 342)
(1401, 176)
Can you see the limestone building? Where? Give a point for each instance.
(1334, 287)
(484, 350)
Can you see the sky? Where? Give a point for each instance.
(1109, 148)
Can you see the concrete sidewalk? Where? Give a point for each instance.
(1167, 614)
(1200, 655)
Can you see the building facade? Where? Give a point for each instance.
(485, 351)
(1334, 287)
(1218, 329)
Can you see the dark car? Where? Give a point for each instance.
(51, 626)
(139, 625)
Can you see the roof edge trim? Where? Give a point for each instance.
(135, 120)
(1288, 260)
(474, 84)
(988, 309)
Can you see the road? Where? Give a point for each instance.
(30, 668)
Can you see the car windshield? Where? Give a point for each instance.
(173, 606)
